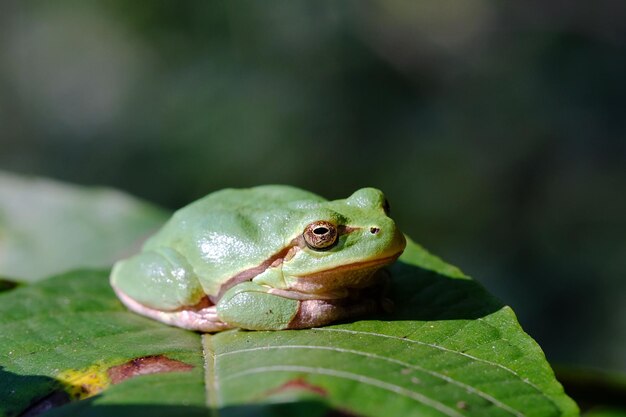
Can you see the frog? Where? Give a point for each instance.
(271, 257)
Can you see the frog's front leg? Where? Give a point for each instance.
(252, 306)
(161, 284)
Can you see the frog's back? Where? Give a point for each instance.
(232, 230)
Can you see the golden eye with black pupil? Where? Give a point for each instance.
(320, 235)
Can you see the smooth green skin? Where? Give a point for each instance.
(231, 231)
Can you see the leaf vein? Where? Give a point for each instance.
(439, 406)
(436, 374)
(435, 346)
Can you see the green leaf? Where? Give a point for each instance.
(47, 227)
(449, 349)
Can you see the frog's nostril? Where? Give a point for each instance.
(374, 230)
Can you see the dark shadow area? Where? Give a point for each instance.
(6, 285)
(307, 408)
(28, 396)
(593, 388)
(419, 294)
(86, 408)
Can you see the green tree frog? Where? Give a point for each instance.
(264, 258)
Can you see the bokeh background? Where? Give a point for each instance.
(497, 129)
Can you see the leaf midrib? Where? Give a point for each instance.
(210, 378)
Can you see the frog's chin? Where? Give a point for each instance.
(337, 282)
(354, 266)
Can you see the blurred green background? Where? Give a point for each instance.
(498, 130)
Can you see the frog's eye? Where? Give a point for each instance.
(320, 235)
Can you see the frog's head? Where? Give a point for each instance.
(342, 243)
